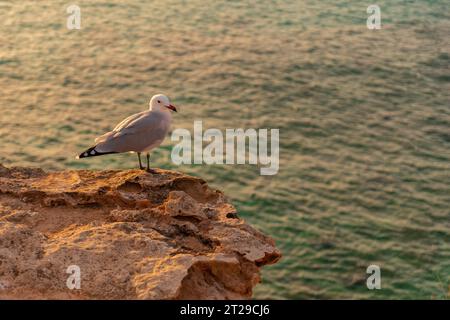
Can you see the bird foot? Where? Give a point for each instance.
(151, 171)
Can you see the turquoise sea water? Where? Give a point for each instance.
(364, 120)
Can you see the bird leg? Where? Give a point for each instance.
(148, 164)
(140, 163)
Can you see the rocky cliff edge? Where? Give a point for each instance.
(130, 234)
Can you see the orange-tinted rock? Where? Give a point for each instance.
(133, 235)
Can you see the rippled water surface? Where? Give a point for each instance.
(364, 119)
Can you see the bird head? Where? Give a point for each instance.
(161, 102)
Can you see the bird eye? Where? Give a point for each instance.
(159, 101)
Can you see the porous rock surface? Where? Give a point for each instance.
(133, 235)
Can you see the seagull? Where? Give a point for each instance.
(138, 133)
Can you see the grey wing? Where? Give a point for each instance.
(137, 135)
(127, 121)
(124, 123)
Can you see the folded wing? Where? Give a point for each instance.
(138, 132)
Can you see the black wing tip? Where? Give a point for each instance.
(91, 152)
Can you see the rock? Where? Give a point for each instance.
(133, 235)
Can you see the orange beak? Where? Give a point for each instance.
(171, 107)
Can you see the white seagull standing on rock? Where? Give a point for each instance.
(138, 133)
